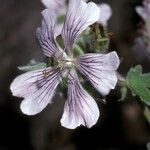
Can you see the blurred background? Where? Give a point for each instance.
(121, 126)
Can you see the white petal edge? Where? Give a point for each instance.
(80, 108)
(79, 16)
(37, 88)
(100, 69)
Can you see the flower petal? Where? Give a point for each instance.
(105, 14)
(80, 108)
(79, 16)
(100, 69)
(58, 6)
(142, 11)
(45, 34)
(37, 89)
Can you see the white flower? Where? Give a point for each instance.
(38, 87)
(144, 11)
(105, 13)
(59, 7)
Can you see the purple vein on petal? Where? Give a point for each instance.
(80, 108)
(37, 88)
(79, 16)
(45, 34)
(100, 69)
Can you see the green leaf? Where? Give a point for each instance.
(94, 39)
(33, 65)
(139, 83)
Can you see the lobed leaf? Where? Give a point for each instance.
(139, 83)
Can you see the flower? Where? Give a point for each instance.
(105, 14)
(59, 7)
(38, 87)
(144, 10)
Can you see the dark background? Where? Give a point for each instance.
(122, 125)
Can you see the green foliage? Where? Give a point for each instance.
(33, 65)
(94, 39)
(78, 50)
(60, 19)
(139, 83)
(100, 36)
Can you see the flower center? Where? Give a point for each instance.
(68, 63)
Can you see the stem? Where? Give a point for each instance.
(78, 50)
(121, 80)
